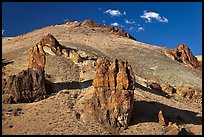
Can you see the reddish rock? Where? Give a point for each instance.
(89, 23)
(114, 93)
(153, 85)
(50, 41)
(183, 54)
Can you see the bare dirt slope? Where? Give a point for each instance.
(61, 113)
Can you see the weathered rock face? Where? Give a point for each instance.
(50, 41)
(27, 86)
(189, 92)
(183, 54)
(37, 57)
(114, 93)
(167, 88)
(153, 85)
(75, 56)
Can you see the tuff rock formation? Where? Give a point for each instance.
(50, 41)
(161, 118)
(114, 93)
(183, 54)
(37, 57)
(189, 92)
(28, 85)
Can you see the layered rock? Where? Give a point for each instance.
(114, 93)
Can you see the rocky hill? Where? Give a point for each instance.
(82, 66)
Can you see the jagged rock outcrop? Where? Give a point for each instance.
(114, 93)
(29, 84)
(53, 47)
(50, 41)
(183, 54)
(93, 24)
(37, 57)
(189, 92)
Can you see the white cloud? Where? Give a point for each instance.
(153, 15)
(124, 13)
(129, 22)
(115, 24)
(131, 28)
(140, 29)
(75, 21)
(3, 32)
(66, 20)
(113, 12)
(99, 8)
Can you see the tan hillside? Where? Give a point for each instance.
(70, 75)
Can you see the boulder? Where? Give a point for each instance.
(153, 85)
(114, 93)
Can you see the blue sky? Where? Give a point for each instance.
(158, 23)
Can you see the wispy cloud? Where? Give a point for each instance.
(3, 32)
(66, 20)
(153, 15)
(99, 8)
(113, 12)
(140, 29)
(124, 13)
(115, 24)
(130, 28)
(129, 22)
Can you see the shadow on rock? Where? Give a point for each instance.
(144, 111)
(6, 62)
(157, 92)
(55, 87)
